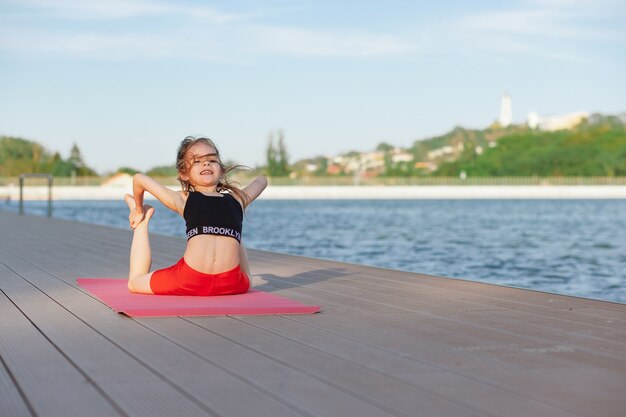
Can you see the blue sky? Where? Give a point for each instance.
(128, 79)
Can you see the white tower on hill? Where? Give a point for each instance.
(506, 113)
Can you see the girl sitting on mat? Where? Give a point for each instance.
(215, 262)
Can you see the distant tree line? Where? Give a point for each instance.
(20, 156)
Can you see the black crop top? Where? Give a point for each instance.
(211, 215)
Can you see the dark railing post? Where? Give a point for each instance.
(49, 195)
(24, 176)
(21, 194)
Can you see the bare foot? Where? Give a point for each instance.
(130, 201)
(133, 218)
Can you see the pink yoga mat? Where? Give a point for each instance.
(115, 294)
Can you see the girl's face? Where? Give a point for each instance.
(205, 168)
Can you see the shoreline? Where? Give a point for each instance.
(295, 192)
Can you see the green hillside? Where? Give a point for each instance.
(591, 149)
(460, 135)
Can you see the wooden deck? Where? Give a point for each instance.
(387, 343)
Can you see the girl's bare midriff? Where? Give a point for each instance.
(212, 254)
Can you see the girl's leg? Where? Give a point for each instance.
(243, 259)
(140, 254)
(245, 267)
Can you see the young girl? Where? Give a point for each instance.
(214, 262)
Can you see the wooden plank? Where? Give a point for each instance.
(75, 243)
(416, 328)
(533, 335)
(280, 380)
(37, 366)
(380, 302)
(418, 286)
(135, 389)
(479, 364)
(409, 372)
(383, 391)
(12, 402)
(314, 335)
(209, 384)
(358, 315)
(608, 356)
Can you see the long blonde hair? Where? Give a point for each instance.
(223, 183)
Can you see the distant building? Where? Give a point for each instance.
(399, 155)
(373, 161)
(533, 120)
(426, 165)
(556, 122)
(506, 112)
(333, 169)
(439, 152)
(120, 179)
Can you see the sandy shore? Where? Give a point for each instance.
(351, 192)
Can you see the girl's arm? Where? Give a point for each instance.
(254, 189)
(169, 198)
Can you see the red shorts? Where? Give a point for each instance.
(181, 279)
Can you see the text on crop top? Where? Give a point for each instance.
(213, 215)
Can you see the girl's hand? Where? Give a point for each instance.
(135, 217)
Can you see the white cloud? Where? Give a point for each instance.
(200, 33)
(166, 29)
(232, 44)
(587, 6)
(86, 45)
(302, 42)
(554, 29)
(122, 9)
(544, 23)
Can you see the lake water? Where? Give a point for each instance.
(575, 247)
